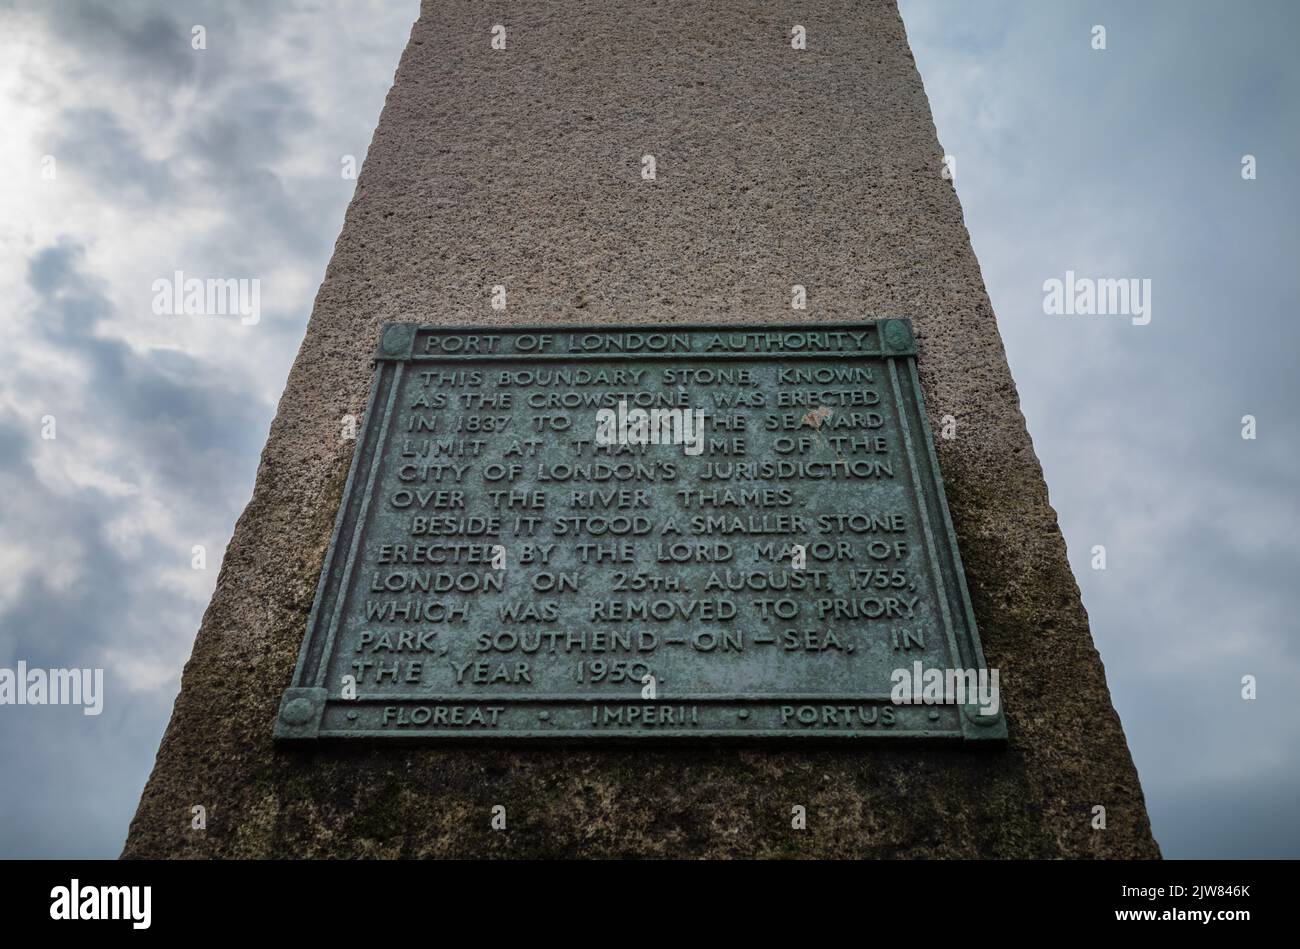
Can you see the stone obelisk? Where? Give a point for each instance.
(776, 163)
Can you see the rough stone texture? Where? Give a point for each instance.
(775, 167)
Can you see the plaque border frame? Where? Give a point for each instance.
(303, 704)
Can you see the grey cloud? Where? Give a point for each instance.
(13, 447)
(165, 404)
(1126, 162)
(63, 786)
(93, 142)
(157, 444)
(147, 42)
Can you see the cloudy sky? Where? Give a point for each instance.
(126, 154)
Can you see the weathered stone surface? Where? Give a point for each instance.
(775, 167)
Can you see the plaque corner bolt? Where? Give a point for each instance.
(984, 730)
(301, 711)
(897, 338)
(396, 340)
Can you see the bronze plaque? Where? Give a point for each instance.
(642, 532)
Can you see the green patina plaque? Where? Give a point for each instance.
(667, 532)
